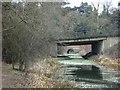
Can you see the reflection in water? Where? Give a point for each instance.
(98, 76)
(88, 74)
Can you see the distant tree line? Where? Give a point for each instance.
(86, 21)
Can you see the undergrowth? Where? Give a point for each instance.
(43, 75)
(111, 63)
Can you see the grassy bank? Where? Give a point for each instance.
(42, 74)
(111, 63)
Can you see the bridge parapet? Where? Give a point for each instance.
(83, 40)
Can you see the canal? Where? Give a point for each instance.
(88, 73)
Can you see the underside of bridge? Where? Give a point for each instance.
(96, 44)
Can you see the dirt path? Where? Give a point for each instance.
(12, 78)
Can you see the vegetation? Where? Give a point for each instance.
(111, 63)
(86, 21)
(41, 75)
(45, 76)
(30, 30)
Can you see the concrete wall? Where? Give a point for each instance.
(53, 49)
(97, 47)
(82, 49)
(109, 42)
(60, 49)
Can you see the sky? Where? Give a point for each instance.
(114, 3)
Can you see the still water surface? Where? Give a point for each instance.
(96, 76)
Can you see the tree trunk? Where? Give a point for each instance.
(21, 65)
(13, 63)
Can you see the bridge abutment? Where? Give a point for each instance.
(60, 49)
(97, 47)
(109, 43)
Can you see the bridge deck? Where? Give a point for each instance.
(83, 40)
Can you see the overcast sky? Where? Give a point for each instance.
(73, 3)
(114, 3)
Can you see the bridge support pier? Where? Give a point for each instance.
(97, 47)
(53, 49)
(60, 49)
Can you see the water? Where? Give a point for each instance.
(96, 77)
(88, 74)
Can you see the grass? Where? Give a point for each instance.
(43, 75)
(110, 63)
(107, 62)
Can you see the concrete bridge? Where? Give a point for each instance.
(99, 44)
